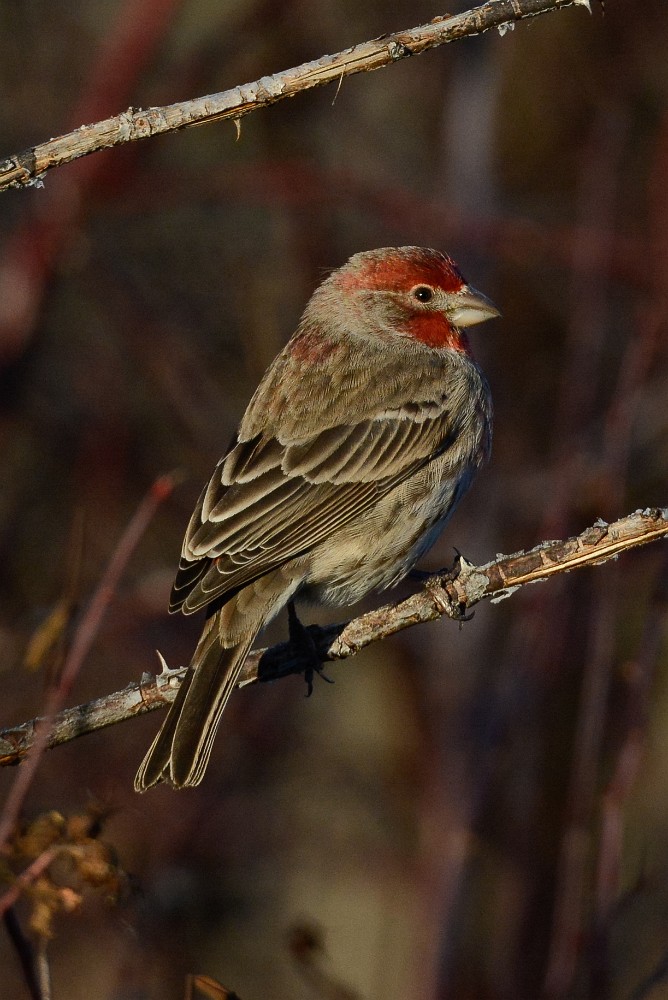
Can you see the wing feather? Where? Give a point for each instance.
(271, 500)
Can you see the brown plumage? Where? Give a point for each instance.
(360, 440)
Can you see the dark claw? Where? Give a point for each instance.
(465, 617)
(305, 648)
(424, 576)
(308, 677)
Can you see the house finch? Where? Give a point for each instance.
(359, 442)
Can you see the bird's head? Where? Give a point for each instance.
(412, 292)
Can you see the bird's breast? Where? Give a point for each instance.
(384, 543)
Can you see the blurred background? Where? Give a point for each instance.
(467, 813)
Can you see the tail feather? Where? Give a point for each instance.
(155, 766)
(214, 681)
(180, 752)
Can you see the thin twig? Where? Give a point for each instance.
(445, 594)
(83, 639)
(30, 165)
(28, 876)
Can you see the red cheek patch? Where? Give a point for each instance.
(434, 330)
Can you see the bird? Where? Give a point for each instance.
(359, 442)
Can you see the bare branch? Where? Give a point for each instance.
(450, 593)
(27, 167)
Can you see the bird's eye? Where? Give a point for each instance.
(423, 293)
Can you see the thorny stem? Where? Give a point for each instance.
(29, 166)
(448, 593)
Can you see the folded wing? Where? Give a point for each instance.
(269, 501)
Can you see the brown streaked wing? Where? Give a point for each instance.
(312, 488)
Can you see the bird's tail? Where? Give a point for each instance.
(180, 752)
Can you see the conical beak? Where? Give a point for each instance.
(469, 306)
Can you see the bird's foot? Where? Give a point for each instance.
(443, 595)
(304, 645)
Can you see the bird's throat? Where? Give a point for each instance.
(434, 330)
